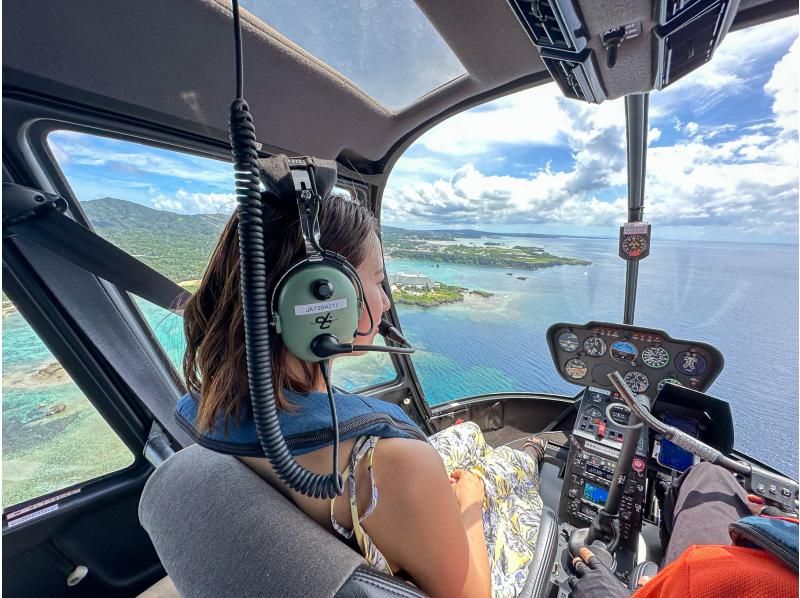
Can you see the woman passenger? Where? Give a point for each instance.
(455, 516)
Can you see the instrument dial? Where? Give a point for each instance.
(624, 351)
(593, 413)
(637, 381)
(634, 245)
(690, 363)
(595, 346)
(576, 368)
(655, 357)
(668, 381)
(568, 342)
(620, 414)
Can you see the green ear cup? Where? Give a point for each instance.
(302, 315)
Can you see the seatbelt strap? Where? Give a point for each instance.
(39, 217)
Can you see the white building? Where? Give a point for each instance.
(417, 281)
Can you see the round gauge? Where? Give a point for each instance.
(624, 351)
(600, 374)
(619, 413)
(637, 381)
(568, 342)
(593, 413)
(634, 245)
(690, 363)
(668, 381)
(595, 346)
(576, 369)
(655, 357)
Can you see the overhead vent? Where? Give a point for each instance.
(554, 24)
(688, 35)
(575, 74)
(606, 50)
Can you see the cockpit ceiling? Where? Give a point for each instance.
(172, 63)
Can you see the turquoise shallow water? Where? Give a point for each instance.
(741, 298)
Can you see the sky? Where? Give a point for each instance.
(722, 162)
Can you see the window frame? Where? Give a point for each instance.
(62, 337)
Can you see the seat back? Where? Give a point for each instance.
(221, 530)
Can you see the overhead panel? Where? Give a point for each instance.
(605, 49)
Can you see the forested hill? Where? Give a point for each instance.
(177, 245)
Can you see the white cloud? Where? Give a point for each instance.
(473, 198)
(80, 149)
(782, 86)
(529, 117)
(196, 203)
(732, 178)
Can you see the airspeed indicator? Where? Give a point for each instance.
(568, 342)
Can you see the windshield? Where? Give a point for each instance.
(504, 220)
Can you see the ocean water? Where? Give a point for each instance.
(741, 298)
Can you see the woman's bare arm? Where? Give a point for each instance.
(419, 524)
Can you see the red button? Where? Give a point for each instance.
(638, 465)
(601, 430)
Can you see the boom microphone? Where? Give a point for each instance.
(327, 345)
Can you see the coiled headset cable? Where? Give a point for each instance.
(255, 305)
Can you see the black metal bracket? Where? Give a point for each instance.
(22, 203)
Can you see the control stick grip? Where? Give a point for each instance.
(678, 437)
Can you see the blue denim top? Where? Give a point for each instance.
(307, 427)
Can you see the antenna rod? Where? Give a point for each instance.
(636, 107)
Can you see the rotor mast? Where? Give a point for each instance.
(636, 109)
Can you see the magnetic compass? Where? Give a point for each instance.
(634, 240)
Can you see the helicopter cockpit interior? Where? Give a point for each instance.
(179, 519)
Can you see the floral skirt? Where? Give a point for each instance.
(512, 508)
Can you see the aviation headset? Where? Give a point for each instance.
(316, 304)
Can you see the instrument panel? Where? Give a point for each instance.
(584, 354)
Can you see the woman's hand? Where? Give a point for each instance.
(468, 487)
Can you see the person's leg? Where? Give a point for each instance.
(461, 446)
(699, 507)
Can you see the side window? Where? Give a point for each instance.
(168, 209)
(53, 437)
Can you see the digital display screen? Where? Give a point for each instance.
(673, 456)
(594, 493)
(603, 473)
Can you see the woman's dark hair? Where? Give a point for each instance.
(214, 364)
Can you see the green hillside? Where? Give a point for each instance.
(177, 245)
